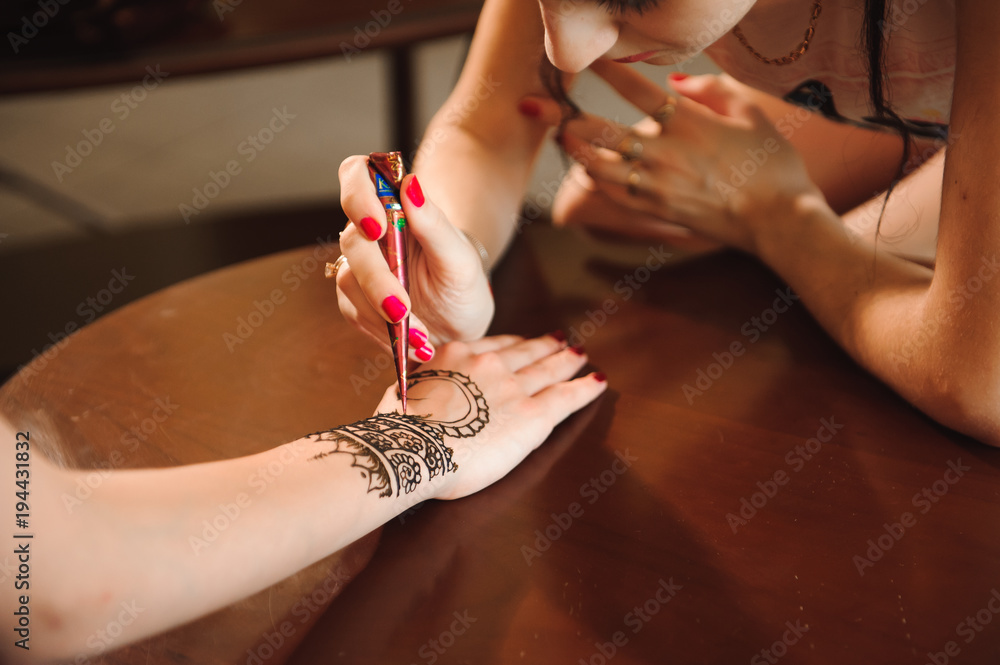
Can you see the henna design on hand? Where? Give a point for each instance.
(393, 450)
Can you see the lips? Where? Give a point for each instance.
(637, 57)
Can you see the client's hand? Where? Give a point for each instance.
(449, 296)
(493, 401)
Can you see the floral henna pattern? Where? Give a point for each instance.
(394, 451)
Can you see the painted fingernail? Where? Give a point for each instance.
(370, 228)
(558, 335)
(600, 377)
(678, 76)
(578, 349)
(417, 338)
(530, 108)
(425, 353)
(414, 193)
(394, 308)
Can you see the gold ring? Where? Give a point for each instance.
(331, 270)
(632, 182)
(663, 114)
(629, 148)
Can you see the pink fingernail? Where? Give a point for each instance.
(370, 228)
(679, 76)
(417, 338)
(414, 193)
(394, 308)
(425, 353)
(600, 377)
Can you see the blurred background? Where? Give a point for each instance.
(169, 144)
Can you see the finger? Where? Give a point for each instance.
(356, 308)
(551, 369)
(603, 134)
(522, 354)
(379, 286)
(717, 93)
(545, 110)
(358, 199)
(558, 401)
(443, 244)
(642, 93)
(421, 347)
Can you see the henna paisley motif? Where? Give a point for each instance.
(396, 452)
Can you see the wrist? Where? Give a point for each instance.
(786, 225)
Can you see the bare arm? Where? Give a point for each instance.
(170, 545)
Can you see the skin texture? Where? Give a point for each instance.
(929, 334)
(475, 412)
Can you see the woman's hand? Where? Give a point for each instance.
(493, 401)
(449, 295)
(711, 163)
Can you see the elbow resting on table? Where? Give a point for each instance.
(965, 395)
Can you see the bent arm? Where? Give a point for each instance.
(932, 336)
(477, 153)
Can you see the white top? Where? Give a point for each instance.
(831, 76)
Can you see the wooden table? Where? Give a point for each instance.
(795, 511)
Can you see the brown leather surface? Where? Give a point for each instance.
(628, 499)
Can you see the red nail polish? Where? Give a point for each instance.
(530, 108)
(414, 193)
(678, 76)
(600, 377)
(417, 338)
(558, 335)
(394, 308)
(424, 353)
(370, 228)
(578, 349)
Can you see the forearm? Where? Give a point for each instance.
(179, 543)
(476, 155)
(891, 315)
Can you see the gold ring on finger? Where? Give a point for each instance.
(663, 114)
(331, 269)
(629, 148)
(632, 181)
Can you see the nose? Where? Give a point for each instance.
(576, 33)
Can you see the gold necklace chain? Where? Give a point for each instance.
(796, 53)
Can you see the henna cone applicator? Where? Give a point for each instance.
(386, 171)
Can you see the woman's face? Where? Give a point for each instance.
(666, 32)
